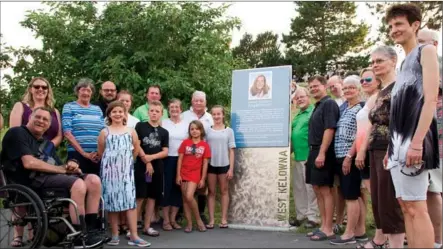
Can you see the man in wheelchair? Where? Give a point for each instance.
(30, 160)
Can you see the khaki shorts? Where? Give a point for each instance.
(435, 179)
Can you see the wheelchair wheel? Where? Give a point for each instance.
(21, 207)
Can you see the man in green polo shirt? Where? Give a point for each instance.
(153, 93)
(305, 201)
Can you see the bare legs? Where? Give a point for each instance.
(190, 206)
(418, 224)
(325, 201)
(434, 203)
(224, 191)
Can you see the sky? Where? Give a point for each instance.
(266, 16)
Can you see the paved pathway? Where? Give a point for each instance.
(231, 238)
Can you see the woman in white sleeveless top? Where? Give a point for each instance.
(178, 131)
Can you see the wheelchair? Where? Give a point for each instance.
(44, 214)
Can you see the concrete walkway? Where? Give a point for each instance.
(230, 238)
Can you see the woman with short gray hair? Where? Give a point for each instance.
(349, 174)
(82, 123)
(388, 216)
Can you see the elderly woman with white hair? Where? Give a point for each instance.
(349, 174)
(198, 111)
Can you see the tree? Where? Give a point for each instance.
(432, 14)
(264, 51)
(323, 33)
(5, 62)
(183, 47)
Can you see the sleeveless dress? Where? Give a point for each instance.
(117, 172)
(406, 105)
(52, 132)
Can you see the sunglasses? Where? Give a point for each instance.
(366, 80)
(36, 87)
(418, 169)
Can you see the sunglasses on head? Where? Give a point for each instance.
(36, 87)
(366, 80)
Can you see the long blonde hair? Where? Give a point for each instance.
(28, 99)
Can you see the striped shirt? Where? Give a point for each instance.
(85, 124)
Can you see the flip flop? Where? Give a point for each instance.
(151, 232)
(167, 227)
(310, 234)
(188, 230)
(223, 225)
(175, 225)
(373, 244)
(321, 236)
(210, 226)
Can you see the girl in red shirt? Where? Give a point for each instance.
(192, 167)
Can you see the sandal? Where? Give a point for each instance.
(167, 227)
(321, 236)
(188, 230)
(175, 226)
(223, 225)
(17, 242)
(139, 243)
(115, 241)
(373, 244)
(315, 231)
(210, 226)
(202, 229)
(151, 232)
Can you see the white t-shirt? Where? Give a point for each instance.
(177, 133)
(131, 122)
(206, 119)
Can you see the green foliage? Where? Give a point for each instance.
(183, 47)
(261, 52)
(322, 34)
(432, 15)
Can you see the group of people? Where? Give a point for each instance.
(157, 157)
(379, 135)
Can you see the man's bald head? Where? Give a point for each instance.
(108, 91)
(335, 85)
(427, 36)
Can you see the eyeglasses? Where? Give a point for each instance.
(349, 88)
(418, 169)
(377, 61)
(36, 87)
(366, 80)
(109, 90)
